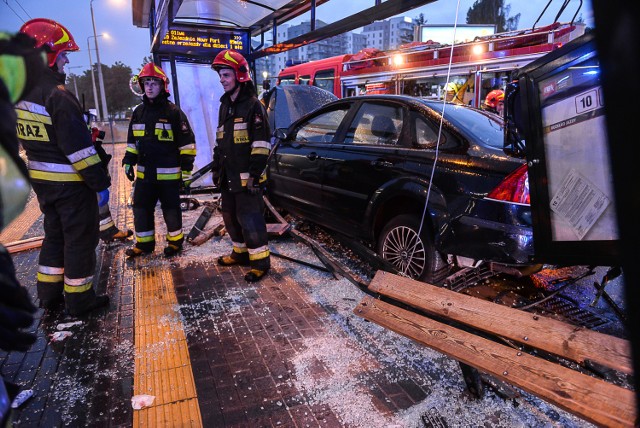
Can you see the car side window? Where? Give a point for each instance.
(378, 124)
(324, 79)
(321, 128)
(304, 80)
(426, 136)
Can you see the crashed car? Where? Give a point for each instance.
(366, 166)
(285, 104)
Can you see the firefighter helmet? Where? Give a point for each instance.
(235, 61)
(51, 34)
(150, 70)
(493, 98)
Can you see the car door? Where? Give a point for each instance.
(295, 172)
(369, 156)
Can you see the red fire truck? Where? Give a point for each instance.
(420, 68)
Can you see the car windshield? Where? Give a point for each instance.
(482, 127)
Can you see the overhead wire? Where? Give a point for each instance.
(27, 13)
(12, 10)
(444, 104)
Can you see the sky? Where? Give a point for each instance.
(129, 44)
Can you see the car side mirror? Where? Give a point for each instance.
(280, 134)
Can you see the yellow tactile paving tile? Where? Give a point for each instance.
(162, 364)
(21, 224)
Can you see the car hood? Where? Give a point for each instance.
(285, 104)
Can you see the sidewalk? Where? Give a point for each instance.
(216, 351)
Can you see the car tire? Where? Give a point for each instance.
(413, 256)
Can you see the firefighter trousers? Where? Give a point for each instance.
(145, 197)
(68, 255)
(243, 216)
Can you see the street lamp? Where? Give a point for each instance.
(73, 76)
(93, 77)
(105, 112)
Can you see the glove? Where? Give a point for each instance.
(253, 187)
(215, 176)
(16, 308)
(186, 178)
(103, 198)
(128, 170)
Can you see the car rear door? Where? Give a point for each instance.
(369, 155)
(295, 171)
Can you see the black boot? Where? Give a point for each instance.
(255, 275)
(135, 252)
(172, 250)
(98, 302)
(52, 304)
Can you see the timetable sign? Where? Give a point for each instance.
(200, 43)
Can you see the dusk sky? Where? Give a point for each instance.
(130, 44)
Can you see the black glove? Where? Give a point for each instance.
(215, 176)
(253, 186)
(16, 308)
(128, 169)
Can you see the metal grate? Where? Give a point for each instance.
(432, 419)
(467, 277)
(569, 310)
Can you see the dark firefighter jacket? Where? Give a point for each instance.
(160, 140)
(242, 140)
(55, 137)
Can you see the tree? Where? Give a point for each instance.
(492, 12)
(116, 85)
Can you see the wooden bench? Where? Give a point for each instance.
(590, 398)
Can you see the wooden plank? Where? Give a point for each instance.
(559, 338)
(25, 244)
(592, 399)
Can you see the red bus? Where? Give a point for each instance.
(323, 73)
(420, 69)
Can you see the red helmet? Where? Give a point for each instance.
(48, 32)
(155, 72)
(235, 61)
(493, 98)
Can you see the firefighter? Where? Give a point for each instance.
(20, 65)
(494, 102)
(108, 230)
(162, 145)
(66, 174)
(240, 159)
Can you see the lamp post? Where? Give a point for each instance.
(73, 76)
(93, 77)
(105, 112)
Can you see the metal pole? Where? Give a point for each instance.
(93, 79)
(105, 112)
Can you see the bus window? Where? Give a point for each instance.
(324, 80)
(287, 80)
(304, 80)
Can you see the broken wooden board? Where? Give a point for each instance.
(568, 341)
(590, 398)
(25, 244)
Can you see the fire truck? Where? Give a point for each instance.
(421, 68)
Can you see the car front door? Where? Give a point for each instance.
(370, 155)
(295, 172)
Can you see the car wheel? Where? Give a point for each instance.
(412, 255)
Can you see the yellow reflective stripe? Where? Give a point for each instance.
(258, 256)
(239, 248)
(137, 133)
(148, 236)
(164, 177)
(259, 151)
(132, 149)
(188, 152)
(35, 117)
(78, 285)
(86, 163)
(140, 174)
(54, 176)
(107, 225)
(77, 288)
(175, 238)
(43, 277)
